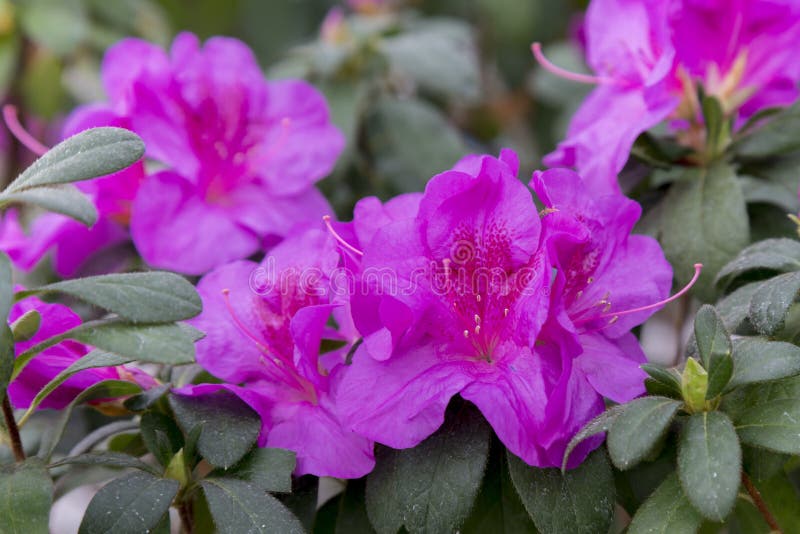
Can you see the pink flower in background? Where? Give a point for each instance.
(45, 366)
(649, 61)
(263, 326)
(237, 157)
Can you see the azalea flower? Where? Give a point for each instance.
(264, 325)
(45, 366)
(236, 156)
(474, 312)
(650, 56)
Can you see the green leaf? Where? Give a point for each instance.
(770, 304)
(780, 255)
(761, 464)
(59, 25)
(6, 336)
(94, 359)
(599, 424)
(267, 469)
(703, 219)
(668, 380)
(134, 502)
(714, 346)
(152, 297)
(161, 436)
(107, 459)
(162, 343)
(409, 141)
(773, 425)
(26, 326)
(106, 389)
(666, 511)
(778, 135)
(146, 399)
(638, 429)
(758, 190)
(238, 506)
(89, 154)
(734, 309)
(439, 55)
(65, 199)
(26, 494)
(431, 487)
(578, 501)
(757, 359)
(709, 464)
(229, 426)
(498, 508)
(718, 129)
(351, 517)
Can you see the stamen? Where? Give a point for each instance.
(477, 319)
(477, 330)
(340, 239)
(240, 325)
(698, 267)
(18, 131)
(466, 333)
(536, 48)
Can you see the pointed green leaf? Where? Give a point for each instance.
(65, 199)
(781, 255)
(734, 309)
(432, 486)
(638, 429)
(89, 154)
(578, 501)
(757, 359)
(135, 502)
(599, 424)
(710, 463)
(26, 494)
(714, 345)
(107, 459)
(773, 137)
(666, 511)
(669, 379)
(773, 425)
(770, 304)
(161, 436)
(151, 297)
(703, 219)
(238, 506)
(267, 469)
(229, 427)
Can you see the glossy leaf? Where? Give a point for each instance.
(578, 501)
(638, 429)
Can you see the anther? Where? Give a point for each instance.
(466, 333)
(477, 319)
(505, 312)
(478, 330)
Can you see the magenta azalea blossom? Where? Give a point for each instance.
(241, 154)
(649, 61)
(45, 366)
(264, 324)
(474, 309)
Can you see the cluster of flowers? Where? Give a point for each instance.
(465, 289)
